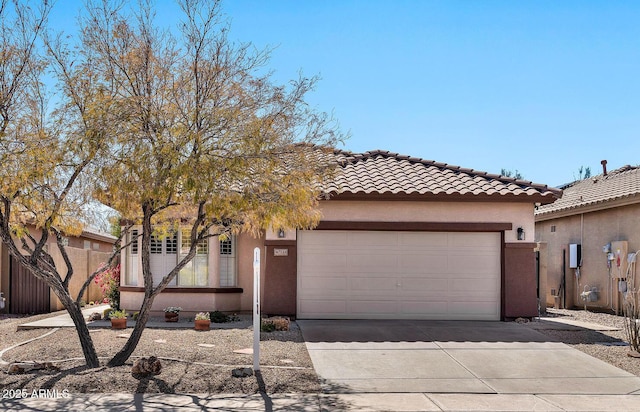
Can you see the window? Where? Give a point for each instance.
(134, 242)
(196, 272)
(131, 276)
(87, 244)
(228, 262)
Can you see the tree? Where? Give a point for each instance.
(509, 173)
(46, 155)
(175, 132)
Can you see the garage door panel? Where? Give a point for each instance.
(366, 262)
(429, 262)
(322, 285)
(373, 307)
(434, 308)
(323, 306)
(326, 261)
(422, 285)
(472, 286)
(381, 239)
(385, 283)
(412, 275)
(418, 240)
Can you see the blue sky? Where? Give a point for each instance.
(543, 87)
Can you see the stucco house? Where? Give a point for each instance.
(602, 215)
(24, 293)
(400, 238)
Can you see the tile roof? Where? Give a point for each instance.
(598, 192)
(386, 173)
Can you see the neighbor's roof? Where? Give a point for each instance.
(384, 173)
(618, 188)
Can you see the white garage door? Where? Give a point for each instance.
(398, 275)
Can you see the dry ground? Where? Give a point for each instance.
(187, 367)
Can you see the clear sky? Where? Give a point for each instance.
(542, 87)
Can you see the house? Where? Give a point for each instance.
(24, 293)
(601, 214)
(400, 237)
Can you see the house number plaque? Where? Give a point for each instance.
(280, 252)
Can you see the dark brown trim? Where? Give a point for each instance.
(280, 242)
(536, 198)
(502, 277)
(184, 290)
(416, 226)
(521, 245)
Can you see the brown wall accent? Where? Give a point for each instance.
(184, 290)
(280, 280)
(519, 286)
(416, 226)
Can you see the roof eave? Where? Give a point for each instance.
(443, 197)
(587, 208)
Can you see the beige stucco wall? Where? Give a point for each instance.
(519, 214)
(592, 230)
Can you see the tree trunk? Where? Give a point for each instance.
(143, 316)
(88, 349)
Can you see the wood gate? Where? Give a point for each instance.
(27, 294)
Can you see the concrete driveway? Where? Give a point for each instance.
(453, 357)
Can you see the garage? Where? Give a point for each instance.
(368, 274)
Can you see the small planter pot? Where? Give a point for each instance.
(171, 317)
(202, 324)
(118, 323)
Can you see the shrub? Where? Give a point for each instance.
(106, 312)
(109, 282)
(275, 323)
(135, 315)
(118, 314)
(218, 317)
(203, 316)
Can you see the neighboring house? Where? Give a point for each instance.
(24, 293)
(599, 213)
(400, 237)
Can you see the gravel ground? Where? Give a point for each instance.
(189, 368)
(186, 367)
(608, 346)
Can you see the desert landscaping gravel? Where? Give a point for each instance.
(201, 362)
(192, 361)
(608, 346)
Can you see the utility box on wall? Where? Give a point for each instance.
(575, 255)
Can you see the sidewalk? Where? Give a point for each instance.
(398, 402)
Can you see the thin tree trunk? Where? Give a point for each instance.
(143, 316)
(88, 349)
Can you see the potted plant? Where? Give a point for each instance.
(118, 319)
(203, 321)
(171, 313)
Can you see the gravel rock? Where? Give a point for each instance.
(186, 366)
(608, 346)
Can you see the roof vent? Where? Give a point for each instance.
(604, 167)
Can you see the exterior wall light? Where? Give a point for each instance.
(281, 233)
(520, 232)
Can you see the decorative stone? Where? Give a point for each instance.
(160, 341)
(124, 335)
(247, 351)
(206, 345)
(22, 367)
(146, 366)
(241, 372)
(95, 316)
(286, 361)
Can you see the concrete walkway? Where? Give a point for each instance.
(468, 364)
